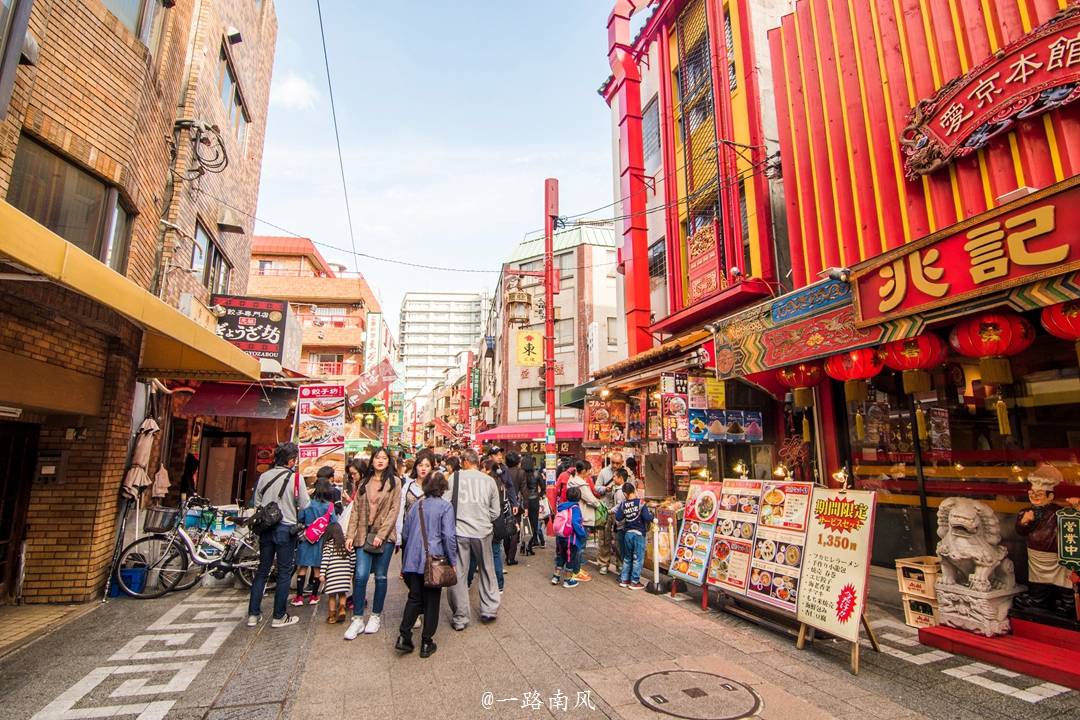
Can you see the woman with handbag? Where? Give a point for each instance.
(429, 539)
(373, 533)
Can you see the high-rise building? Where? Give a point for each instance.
(433, 329)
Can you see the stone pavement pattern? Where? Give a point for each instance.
(190, 657)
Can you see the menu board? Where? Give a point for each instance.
(605, 421)
(697, 393)
(320, 429)
(777, 555)
(696, 534)
(676, 419)
(837, 561)
(736, 523)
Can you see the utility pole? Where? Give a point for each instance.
(551, 213)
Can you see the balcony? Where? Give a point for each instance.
(309, 287)
(331, 369)
(328, 335)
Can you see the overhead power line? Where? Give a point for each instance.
(337, 137)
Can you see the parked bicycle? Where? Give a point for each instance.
(174, 557)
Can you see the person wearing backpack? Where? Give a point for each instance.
(279, 493)
(570, 536)
(310, 550)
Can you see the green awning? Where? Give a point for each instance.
(575, 396)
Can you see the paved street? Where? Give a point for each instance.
(191, 657)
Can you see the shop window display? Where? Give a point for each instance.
(947, 442)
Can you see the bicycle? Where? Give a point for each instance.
(173, 557)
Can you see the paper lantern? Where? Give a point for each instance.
(914, 357)
(854, 368)
(993, 337)
(1063, 321)
(801, 379)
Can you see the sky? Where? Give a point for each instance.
(451, 115)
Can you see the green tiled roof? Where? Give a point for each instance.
(571, 237)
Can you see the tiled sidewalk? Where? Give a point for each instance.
(23, 624)
(550, 642)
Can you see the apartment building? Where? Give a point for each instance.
(331, 304)
(433, 329)
(131, 139)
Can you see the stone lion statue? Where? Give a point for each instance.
(970, 550)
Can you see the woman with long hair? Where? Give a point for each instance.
(373, 532)
(533, 494)
(354, 473)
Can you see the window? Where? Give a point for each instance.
(199, 244)
(729, 40)
(650, 131)
(531, 404)
(330, 311)
(71, 202)
(658, 284)
(144, 18)
(612, 331)
(231, 99)
(265, 265)
(566, 264)
(564, 332)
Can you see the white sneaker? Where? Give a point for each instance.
(373, 624)
(355, 628)
(284, 621)
(253, 620)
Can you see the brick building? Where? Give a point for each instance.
(110, 221)
(332, 304)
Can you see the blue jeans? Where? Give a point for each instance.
(567, 555)
(497, 553)
(366, 563)
(277, 542)
(633, 556)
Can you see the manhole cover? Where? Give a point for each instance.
(695, 695)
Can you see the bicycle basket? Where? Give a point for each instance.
(161, 519)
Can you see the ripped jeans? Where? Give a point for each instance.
(366, 563)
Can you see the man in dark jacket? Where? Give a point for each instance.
(512, 478)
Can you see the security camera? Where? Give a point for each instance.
(841, 274)
(218, 311)
(711, 328)
(736, 273)
(233, 35)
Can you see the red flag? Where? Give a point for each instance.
(371, 383)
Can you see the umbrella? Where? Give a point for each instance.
(161, 483)
(137, 478)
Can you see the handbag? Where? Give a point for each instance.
(438, 572)
(369, 543)
(269, 515)
(501, 527)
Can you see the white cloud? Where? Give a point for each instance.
(293, 92)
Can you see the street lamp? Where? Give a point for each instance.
(518, 303)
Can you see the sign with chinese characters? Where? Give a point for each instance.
(371, 383)
(1036, 74)
(255, 325)
(474, 381)
(703, 262)
(714, 394)
(530, 348)
(605, 421)
(320, 429)
(837, 561)
(1026, 240)
(694, 543)
(697, 392)
(1068, 521)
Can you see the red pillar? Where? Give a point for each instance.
(635, 246)
(551, 211)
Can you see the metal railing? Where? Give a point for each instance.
(303, 272)
(334, 321)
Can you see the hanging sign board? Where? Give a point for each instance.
(837, 561)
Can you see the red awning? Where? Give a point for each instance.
(532, 431)
(248, 400)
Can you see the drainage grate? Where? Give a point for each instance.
(695, 695)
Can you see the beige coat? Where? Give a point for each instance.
(384, 521)
(588, 502)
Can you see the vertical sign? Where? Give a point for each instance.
(373, 346)
(320, 429)
(776, 565)
(729, 566)
(530, 348)
(837, 561)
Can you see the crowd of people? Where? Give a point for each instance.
(455, 511)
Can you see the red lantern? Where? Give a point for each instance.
(993, 337)
(854, 368)
(914, 357)
(1063, 321)
(801, 379)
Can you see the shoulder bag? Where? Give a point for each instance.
(502, 526)
(438, 572)
(269, 515)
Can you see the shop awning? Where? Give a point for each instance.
(247, 400)
(531, 431)
(575, 396)
(174, 345)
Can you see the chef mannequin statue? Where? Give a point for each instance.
(1048, 582)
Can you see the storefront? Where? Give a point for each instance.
(528, 439)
